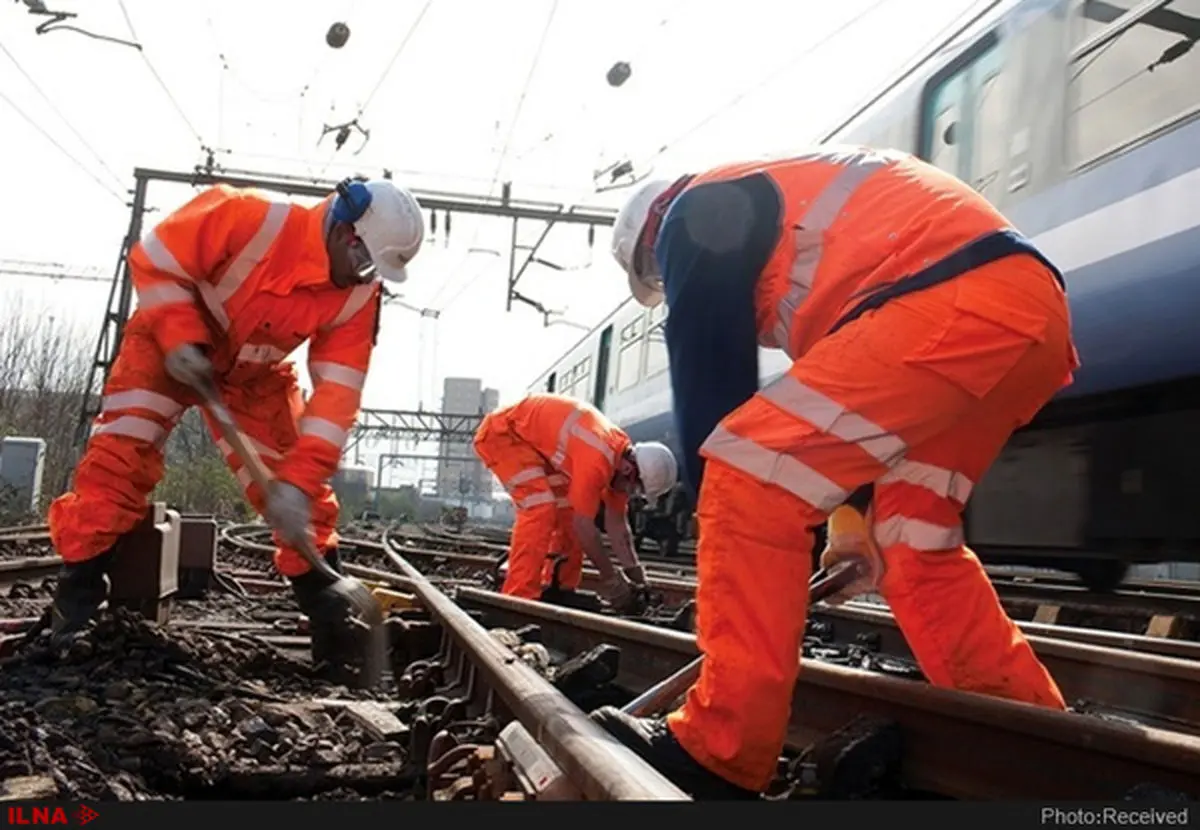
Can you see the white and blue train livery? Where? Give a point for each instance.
(1078, 120)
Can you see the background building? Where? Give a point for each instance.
(464, 480)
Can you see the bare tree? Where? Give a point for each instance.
(44, 366)
(44, 363)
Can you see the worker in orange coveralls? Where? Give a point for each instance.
(559, 459)
(227, 286)
(923, 331)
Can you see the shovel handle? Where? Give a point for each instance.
(259, 473)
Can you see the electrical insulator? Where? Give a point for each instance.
(591, 236)
(433, 223)
(446, 236)
(337, 35)
(618, 74)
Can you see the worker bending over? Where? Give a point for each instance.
(923, 331)
(227, 287)
(559, 459)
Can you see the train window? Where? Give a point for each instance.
(656, 349)
(967, 123)
(945, 133)
(603, 361)
(629, 360)
(1131, 73)
(550, 381)
(992, 116)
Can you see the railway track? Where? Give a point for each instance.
(1139, 697)
(1111, 677)
(1070, 755)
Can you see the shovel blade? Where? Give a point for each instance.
(373, 634)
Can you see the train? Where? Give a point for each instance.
(1078, 120)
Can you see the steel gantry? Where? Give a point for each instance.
(415, 427)
(120, 299)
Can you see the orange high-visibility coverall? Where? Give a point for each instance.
(918, 396)
(247, 277)
(556, 457)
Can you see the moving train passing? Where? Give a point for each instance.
(1078, 119)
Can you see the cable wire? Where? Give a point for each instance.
(770, 78)
(157, 77)
(60, 115)
(412, 30)
(537, 58)
(91, 175)
(395, 57)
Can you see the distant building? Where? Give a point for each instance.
(464, 480)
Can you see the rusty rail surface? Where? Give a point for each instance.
(1150, 678)
(25, 533)
(601, 768)
(960, 745)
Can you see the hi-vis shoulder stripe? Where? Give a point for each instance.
(857, 165)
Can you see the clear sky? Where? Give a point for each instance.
(459, 96)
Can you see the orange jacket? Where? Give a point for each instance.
(854, 219)
(577, 440)
(249, 277)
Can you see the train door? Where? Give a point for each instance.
(602, 361)
(964, 119)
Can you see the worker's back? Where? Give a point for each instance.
(566, 431)
(853, 219)
(260, 268)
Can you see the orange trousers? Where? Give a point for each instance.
(918, 397)
(123, 461)
(543, 524)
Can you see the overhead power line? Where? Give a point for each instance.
(74, 159)
(60, 115)
(537, 58)
(157, 77)
(771, 77)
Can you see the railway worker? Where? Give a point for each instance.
(228, 285)
(923, 331)
(560, 459)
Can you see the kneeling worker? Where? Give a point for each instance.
(559, 459)
(923, 331)
(228, 285)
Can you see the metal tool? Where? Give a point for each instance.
(368, 612)
(824, 583)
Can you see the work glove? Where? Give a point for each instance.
(288, 512)
(618, 592)
(188, 365)
(637, 575)
(850, 534)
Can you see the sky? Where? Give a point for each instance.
(459, 96)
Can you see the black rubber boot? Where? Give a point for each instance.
(82, 589)
(653, 742)
(336, 646)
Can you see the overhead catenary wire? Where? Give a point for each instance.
(768, 79)
(74, 159)
(362, 108)
(66, 121)
(157, 77)
(537, 58)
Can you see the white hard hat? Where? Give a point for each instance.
(657, 469)
(647, 287)
(392, 228)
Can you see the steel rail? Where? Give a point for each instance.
(601, 767)
(961, 745)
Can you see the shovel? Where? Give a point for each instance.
(367, 610)
(824, 583)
